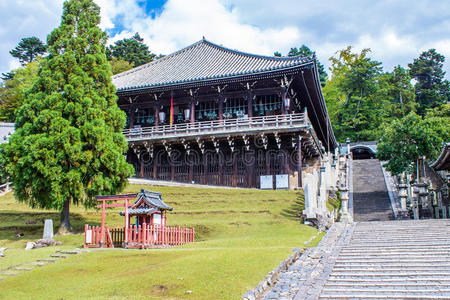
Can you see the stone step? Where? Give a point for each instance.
(23, 269)
(70, 252)
(393, 264)
(388, 275)
(393, 254)
(382, 290)
(40, 264)
(391, 283)
(384, 268)
(58, 256)
(47, 260)
(388, 295)
(387, 260)
(10, 273)
(390, 257)
(397, 286)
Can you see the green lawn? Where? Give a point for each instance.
(241, 236)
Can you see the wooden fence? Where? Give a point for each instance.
(145, 236)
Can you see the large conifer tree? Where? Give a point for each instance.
(68, 146)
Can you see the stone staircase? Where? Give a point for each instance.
(370, 195)
(393, 260)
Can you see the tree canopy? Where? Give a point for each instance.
(68, 146)
(405, 140)
(133, 50)
(305, 51)
(28, 49)
(431, 88)
(12, 94)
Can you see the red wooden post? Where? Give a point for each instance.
(193, 234)
(86, 228)
(126, 222)
(103, 222)
(144, 233)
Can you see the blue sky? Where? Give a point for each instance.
(397, 31)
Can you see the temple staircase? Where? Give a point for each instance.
(393, 260)
(370, 195)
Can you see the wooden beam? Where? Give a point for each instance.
(116, 197)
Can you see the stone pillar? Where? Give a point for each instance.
(345, 215)
(323, 195)
(403, 195)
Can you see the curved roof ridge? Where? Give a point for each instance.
(254, 55)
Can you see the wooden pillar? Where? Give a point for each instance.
(172, 169)
(192, 110)
(251, 171)
(220, 107)
(191, 172)
(155, 166)
(267, 162)
(299, 163)
(283, 97)
(141, 170)
(234, 169)
(131, 117)
(156, 116)
(287, 168)
(102, 229)
(250, 104)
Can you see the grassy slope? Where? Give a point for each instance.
(242, 235)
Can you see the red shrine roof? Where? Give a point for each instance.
(202, 61)
(148, 202)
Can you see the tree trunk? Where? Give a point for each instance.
(65, 218)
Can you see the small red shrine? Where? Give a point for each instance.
(150, 227)
(149, 208)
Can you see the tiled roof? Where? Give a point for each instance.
(153, 199)
(139, 211)
(199, 62)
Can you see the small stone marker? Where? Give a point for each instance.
(30, 245)
(48, 229)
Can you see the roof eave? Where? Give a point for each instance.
(209, 80)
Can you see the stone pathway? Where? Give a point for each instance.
(373, 260)
(312, 268)
(16, 269)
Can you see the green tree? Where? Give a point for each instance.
(395, 93)
(405, 140)
(28, 49)
(119, 66)
(431, 88)
(132, 50)
(12, 94)
(350, 95)
(305, 51)
(68, 146)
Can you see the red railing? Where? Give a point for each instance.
(145, 236)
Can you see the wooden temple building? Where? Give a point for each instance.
(211, 115)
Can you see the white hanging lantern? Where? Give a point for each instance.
(162, 117)
(187, 114)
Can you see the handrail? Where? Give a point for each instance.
(239, 124)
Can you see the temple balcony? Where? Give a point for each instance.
(297, 123)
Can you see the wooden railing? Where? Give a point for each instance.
(218, 126)
(145, 236)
